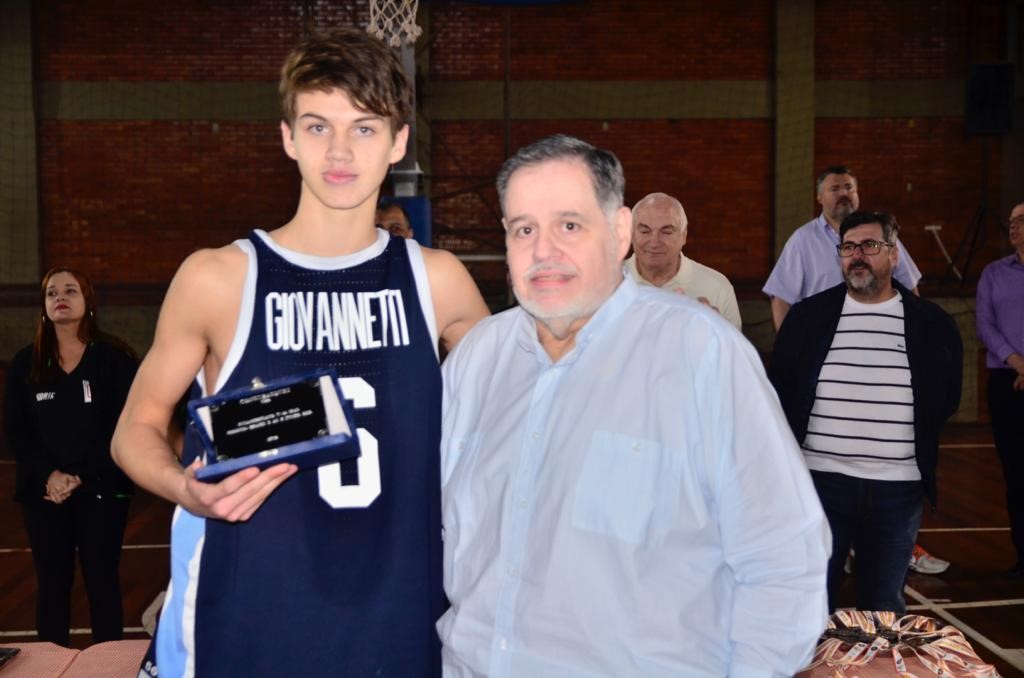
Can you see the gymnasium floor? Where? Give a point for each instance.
(969, 529)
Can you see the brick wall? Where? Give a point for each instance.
(915, 39)
(605, 40)
(187, 40)
(127, 201)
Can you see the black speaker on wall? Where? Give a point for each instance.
(989, 101)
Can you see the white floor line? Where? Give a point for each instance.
(74, 632)
(1010, 657)
(964, 529)
(126, 547)
(944, 603)
(954, 446)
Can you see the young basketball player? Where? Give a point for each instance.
(336, 570)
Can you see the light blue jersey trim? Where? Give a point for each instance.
(175, 637)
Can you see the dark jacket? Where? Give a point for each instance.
(934, 352)
(66, 422)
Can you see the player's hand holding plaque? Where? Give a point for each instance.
(302, 420)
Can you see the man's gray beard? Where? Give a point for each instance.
(560, 322)
(867, 285)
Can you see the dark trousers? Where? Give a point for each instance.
(95, 528)
(1006, 407)
(879, 519)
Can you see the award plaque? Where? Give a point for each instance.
(303, 420)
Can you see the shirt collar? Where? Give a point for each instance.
(827, 228)
(630, 264)
(607, 315)
(631, 267)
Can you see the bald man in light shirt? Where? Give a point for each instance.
(659, 233)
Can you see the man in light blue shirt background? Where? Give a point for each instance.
(622, 495)
(809, 263)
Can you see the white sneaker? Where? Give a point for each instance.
(925, 563)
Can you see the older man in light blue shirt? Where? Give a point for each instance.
(622, 495)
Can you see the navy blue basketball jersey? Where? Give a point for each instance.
(339, 572)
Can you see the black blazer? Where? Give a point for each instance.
(934, 351)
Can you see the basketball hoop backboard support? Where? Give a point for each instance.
(406, 173)
(394, 23)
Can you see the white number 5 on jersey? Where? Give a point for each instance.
(362, 495)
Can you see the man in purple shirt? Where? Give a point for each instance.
(809, 262)
(1000, 318)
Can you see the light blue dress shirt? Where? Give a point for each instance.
(639, 508)
(809, 264)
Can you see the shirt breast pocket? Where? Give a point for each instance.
(628, 488)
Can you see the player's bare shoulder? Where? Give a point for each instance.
(208, 275)
(207, 290)
(439, 262)
(446, 274)
(457, 301)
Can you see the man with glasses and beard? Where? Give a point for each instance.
(867, 374)
(808, 264)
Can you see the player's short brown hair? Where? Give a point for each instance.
(353, 61)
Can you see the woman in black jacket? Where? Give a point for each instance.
(64, 394)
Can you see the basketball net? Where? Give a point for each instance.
(393, 20)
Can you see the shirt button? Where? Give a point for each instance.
(522, 503)
(535, 435)
(503, 644)
(513, 570)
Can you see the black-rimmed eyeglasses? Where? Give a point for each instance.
(867, 247)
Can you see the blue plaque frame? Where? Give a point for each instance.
(341, 442)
